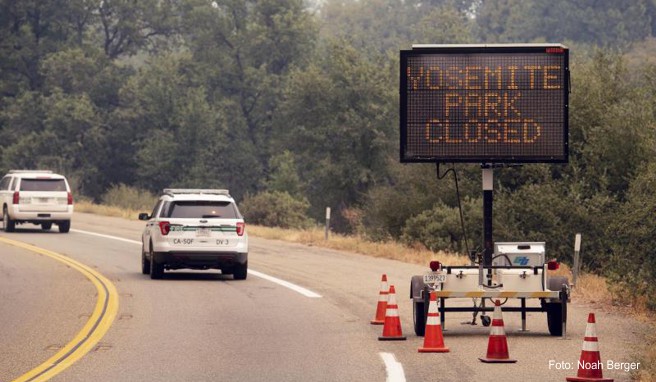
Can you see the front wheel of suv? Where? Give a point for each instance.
(8, 224)
(240, 271)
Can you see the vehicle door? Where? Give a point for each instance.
(152, 222)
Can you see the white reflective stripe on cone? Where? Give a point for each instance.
(590, 330)
(382, 297)
(433, 320)
(590, 346)
(497, 331)
(392, 313)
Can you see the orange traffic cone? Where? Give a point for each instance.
(392, 327)
(382, 303)
(590, 362)
(433, 338)
(497, 346)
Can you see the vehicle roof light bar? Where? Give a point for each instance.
(177, 191)
(30, 171)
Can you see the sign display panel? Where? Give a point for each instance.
(486, 104)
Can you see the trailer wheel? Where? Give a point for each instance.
(555, 312)
(419, 318)
(556, 283)
(554, 318)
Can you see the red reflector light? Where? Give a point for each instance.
(70, 198)
(165, 228)
(241, 227)
(435, 266)
(555, 50)
(553, 265)
(16, 197)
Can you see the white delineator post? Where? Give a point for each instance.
(327, 222)
(577, 254)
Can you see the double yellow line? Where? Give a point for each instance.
(98, 324)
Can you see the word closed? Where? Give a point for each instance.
(484, 104)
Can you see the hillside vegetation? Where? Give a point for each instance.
(294, 107)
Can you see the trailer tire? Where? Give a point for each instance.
(554, 318)
(556, 283)
(419, 318)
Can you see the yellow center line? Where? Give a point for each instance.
(95, 328)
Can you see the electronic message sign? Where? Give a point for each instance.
(484, 103)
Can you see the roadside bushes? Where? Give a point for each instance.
(131, 198)
(440, 229)
(633, 233)
(276, 209)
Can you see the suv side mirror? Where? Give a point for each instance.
(143, 216)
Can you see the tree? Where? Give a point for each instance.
(605, 22)
(284, 175)
(338, 118)
(125, 26)
(244, 50)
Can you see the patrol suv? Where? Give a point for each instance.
(195, 229)
(36, 196)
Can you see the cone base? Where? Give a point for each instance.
(395, 338)
(377, 322)
(497, 360)
(433, 350)
(583, 379)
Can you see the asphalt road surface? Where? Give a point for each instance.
(309, 323)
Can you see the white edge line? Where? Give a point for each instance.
(286, 284)
(106, 236)
(394, 368)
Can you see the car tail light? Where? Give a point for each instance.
(435, 266)
(16, 197)
(165, 228)
(241, 227)
(553, 265)
(70, 198)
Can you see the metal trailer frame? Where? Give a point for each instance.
(419, 291)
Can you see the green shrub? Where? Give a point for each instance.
(440, 227)
(632, 268)
(132, 198)
(276, 209)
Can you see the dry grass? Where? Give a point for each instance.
(647, 372)
(86, 206)
(388, 250)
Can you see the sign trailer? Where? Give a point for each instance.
(494, 105)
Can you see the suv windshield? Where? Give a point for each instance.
(199, 209)
(42, 185)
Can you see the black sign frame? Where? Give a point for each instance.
(514, 50)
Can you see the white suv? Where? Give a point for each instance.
(196, 229)
(38, 197)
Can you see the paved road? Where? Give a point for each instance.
(202, 326)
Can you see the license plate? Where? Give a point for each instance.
(203, 232)
(43, 200)
(434, 277)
